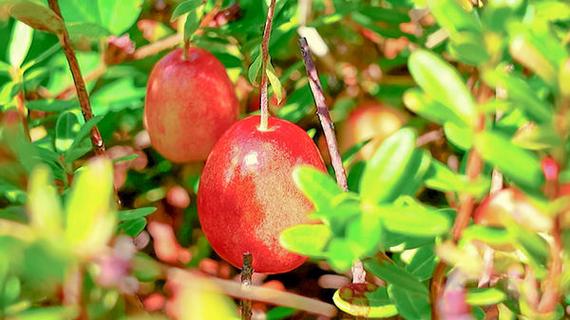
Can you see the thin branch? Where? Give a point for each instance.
(358, 272)
(97, 73)
(324, 115)
(266, 295)
(429, 137)
(275, 297)
(246, 273)
(79, 83)
(264, 60)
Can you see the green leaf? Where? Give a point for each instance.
(365, 232)
(394, 274)
(81, 32)
(11, 289)
(341, 253)
(34, 14)
(145, 268)
(424, 105)
(519, 165)
(423, 263)
(254, 69)
(467, 48)
(119, 16)
(185, 7)
(191, 25)
(132, 214)
(441, 178)
(115, 16)
(51, 105)
(44, 207)
(279, 313)
(20, 43)
(540, 52)
(442, 82)
(49, 313)
(316, 185)
(537, 137)
(489, 235)
(373, 305)
(80, 137)
(275, 83)
(533, 246)
(66, 129)
(453, 18)
(521, 94)
(460, 136)
(485, 296)
(413, 220)
(389, 168)
(133, 227)
(89, 210)
(410, 305)
(306, 239)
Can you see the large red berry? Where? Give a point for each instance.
(247, 195)
(189, 104)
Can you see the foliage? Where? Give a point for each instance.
(117, 236)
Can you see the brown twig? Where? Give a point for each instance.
(264, 60)
(358, 272)
(246, 273)
(79, 83)
(97, 73)
(324, 115)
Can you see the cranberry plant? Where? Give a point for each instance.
(447, 199)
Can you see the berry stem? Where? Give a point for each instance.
(264, 61)
(246, 273)
(186, 48)
(82, 94)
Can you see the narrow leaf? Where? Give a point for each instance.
(390, 167)
(522, 166)
(443, 83)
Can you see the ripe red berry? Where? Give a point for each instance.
(189, 104)
(247, 195)
(370, 120)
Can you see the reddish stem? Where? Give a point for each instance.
(467, 204)
(82, 94)
(264, 61)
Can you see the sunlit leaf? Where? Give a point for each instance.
(44, 206)
(306, 239)
(89, 210)
(443, 83)
(20, 43)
